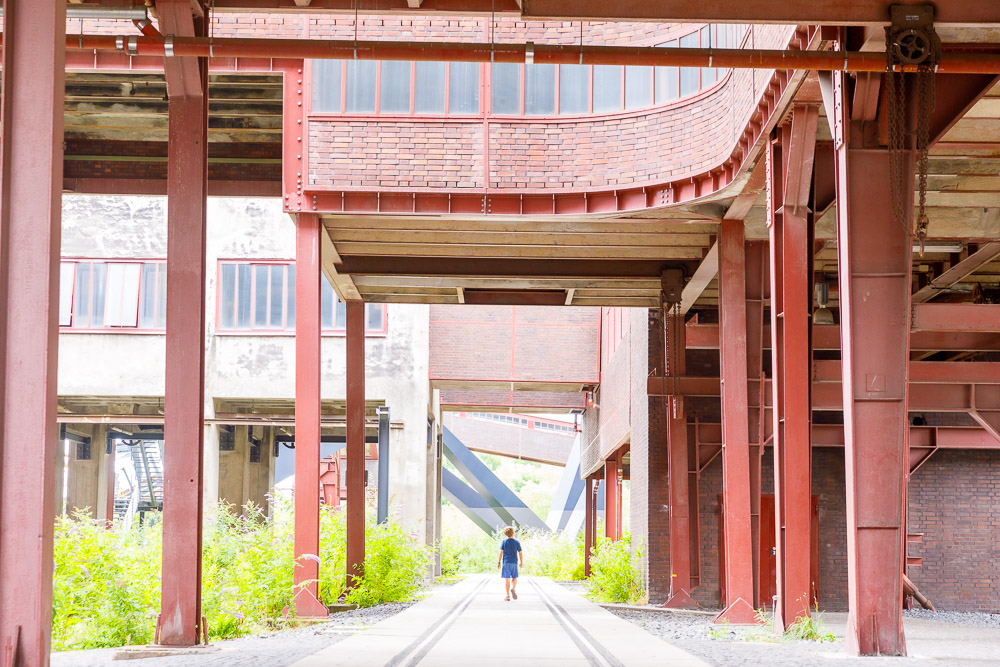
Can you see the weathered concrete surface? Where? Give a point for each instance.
(471, 624)
(114, 365)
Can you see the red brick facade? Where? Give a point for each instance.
(514, 344)
(954, 498)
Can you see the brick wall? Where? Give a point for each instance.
(514, 343)
(649, 434)
(955, 503)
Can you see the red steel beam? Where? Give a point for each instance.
(986, 254)
(791, 316)
(874, 267)
(827, 337)
(184, 404)
(842, 12)
(755, 279)
(355, 343)
(308, 277)
(30, 207)
(554, 54)
(739, 585)
(678, 486)
(612, 499)
(589, 521)
(961, 317)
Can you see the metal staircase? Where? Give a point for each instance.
(148, 472)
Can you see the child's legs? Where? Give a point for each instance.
(506, 585)
(513, 582)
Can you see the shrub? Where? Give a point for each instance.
(614, 575)
(106, 583)
(557, 555)
(395, 567)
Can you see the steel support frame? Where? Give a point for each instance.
(790, 169)
(678, 465)
(180, 621)
(612, 497)
(355, 344)
(30, 214)
(589, 521)
(738, 554)
(756, 278)
(308, 397)
(874, 263)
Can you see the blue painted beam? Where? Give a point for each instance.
(505, 502)
(567, 505)
(470, 503)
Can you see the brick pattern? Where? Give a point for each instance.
(955, 503)
(480, 398)
(651, 436)
(512, 343)
(395, 154)
(627, 149)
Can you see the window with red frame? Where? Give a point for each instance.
(102, 294)
(260, 296)
(449, 88)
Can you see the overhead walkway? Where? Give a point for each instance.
(470, 624)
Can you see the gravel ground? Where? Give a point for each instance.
(753, 646)
(269, 649)
(976, 619)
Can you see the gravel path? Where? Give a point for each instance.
(269, 649)
(754, 646)
(977, 619)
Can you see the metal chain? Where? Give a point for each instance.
(925, 106)
(895, 96)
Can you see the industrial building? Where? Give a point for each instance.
(767, 235)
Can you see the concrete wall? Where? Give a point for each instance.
(242, 366)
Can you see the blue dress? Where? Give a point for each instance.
(510, 548)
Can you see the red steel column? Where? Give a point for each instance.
(678, 481)
(755, 252)
(355, 439)
(30, 205)
(791, 317)
(589, 523)
(874, 259)
(612, 530)
(736, 447)
(308, 274)
(184, 404)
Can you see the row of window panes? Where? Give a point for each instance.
(255, 297)
(112, 295)
(399, 87)
(509, 419)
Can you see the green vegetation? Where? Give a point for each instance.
(546, 554)
(810, 628)
(106, 585)
(614, 572)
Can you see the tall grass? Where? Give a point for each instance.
(106, 584)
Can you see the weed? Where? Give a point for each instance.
(810, 628)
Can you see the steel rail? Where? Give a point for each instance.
(951, 62)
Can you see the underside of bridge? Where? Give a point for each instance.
(824, 215)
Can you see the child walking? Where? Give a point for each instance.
(510, 554)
